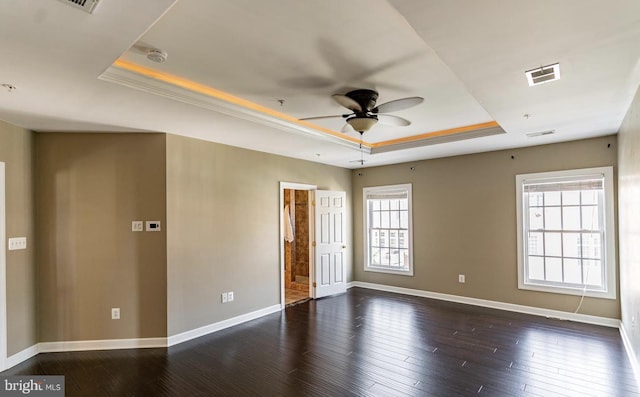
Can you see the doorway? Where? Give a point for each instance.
(297, 252)
(324, 217)
(296, 235)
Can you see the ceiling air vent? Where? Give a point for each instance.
(541, 133)
(543, 74)
(85, 5)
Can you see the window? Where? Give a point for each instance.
(388, 234)
(566, 235)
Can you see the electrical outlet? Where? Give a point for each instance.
(115, 313)
(137, 226)
(225, 297)
(461, 278)
(230, 296)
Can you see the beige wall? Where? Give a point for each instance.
(89, 189)
(223, 227)
(464, 221)
(16, 148)
(629, 223)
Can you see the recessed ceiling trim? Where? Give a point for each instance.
(177, 88)
(451, 131)
(437, 137)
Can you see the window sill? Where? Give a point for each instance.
(389, 271)
(568, 291)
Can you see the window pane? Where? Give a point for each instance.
(395, 204)
(395, 219)
(384, 256)
(404, 258)
(593, 273)
(375, 219)
(395, 258)
(553, 269)
(552, 219)
(384, 204)
(590, 218)
(571, 218)
(404, 204)
(590, 197)
(571, 198)
(393, 238)
(572, 271)
(536, 268)
(404, 219)
(403, 239)
(552, 244)
(551, 198)
(536, 219)
(536, 199)
(571, 245)
(375, 204)
(591, 245)
(375, 238)
(384, 219)
(375, 256)
(536, 244)
(384, 242)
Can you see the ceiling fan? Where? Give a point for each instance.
(365, 114)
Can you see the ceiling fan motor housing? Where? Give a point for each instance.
(365, 98)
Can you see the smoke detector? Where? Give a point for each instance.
(156, 55)
(543, 74)
(85, 5)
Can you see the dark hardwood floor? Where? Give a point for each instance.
(365, 343)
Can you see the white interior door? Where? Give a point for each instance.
(330, 271)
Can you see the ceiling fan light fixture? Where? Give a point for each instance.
(362, 124)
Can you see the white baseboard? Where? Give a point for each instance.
(582, 318)
(136, 343)
(21, 356)
(350, 284)
(635, 364)
(220, 325)
(103, 344)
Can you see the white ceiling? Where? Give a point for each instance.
(465, 57)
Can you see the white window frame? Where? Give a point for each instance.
(609, 254)
(382, 190)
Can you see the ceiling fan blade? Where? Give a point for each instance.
(337, 116)
(347, 102)
(388, 119)
(398, 104)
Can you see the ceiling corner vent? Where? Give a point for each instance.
(543, 74)
(85, 5)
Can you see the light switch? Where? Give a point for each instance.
(137, 226)
(17, 243)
